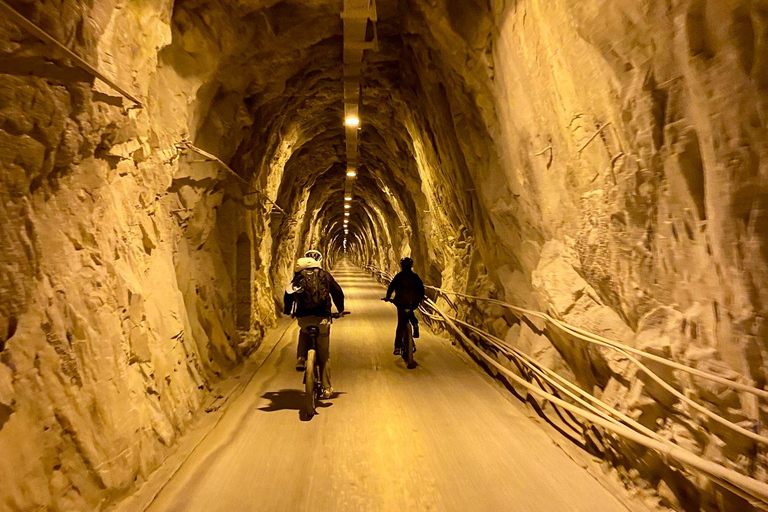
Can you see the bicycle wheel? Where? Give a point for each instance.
(309, 385)
(408, 347)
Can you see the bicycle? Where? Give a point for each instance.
(407, 347)
(313, 388)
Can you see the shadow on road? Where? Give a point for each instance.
(292, 400)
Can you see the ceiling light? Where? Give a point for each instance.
(347, 206)
(346, 214)
(348, 198)
(351, 173)
(352, 121)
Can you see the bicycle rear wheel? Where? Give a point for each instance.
(309, 384)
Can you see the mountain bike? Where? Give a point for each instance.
(407, 347)
(313, 388)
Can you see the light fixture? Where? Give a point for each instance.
(348, 198)
(351, 173)
(352, 121)
(346, 214)
(347, 206)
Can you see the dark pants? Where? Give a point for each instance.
(404, 315)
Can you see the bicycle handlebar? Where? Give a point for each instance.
(339, 315)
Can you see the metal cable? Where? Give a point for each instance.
(185, 144)
(591, 337)
(752, 490)
(755, 488)
(45, 37)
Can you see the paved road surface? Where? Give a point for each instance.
(439, 437)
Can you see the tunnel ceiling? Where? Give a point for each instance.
(274, 93)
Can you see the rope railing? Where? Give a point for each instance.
(627, 351)
(184, 144)
(45, 37)
(590, 407)
(592, 337)
(618, 347)
(754, 488)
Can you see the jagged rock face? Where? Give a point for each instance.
(603, 161)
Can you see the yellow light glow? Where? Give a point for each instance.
(348, 198)
(351, 174)
(346, 214)
(347, 206)
(352, 121)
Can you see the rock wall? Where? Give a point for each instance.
(118, 266)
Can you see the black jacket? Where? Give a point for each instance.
(408, 289)
(291, 299)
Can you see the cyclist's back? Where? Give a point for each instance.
(407, 288)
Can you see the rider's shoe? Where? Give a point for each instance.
(327, 393)
(416, 331)
(301, 364)
(397, 351)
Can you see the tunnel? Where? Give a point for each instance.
(582, 186)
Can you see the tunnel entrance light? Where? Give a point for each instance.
(352, 121)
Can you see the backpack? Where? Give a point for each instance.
(314, 288)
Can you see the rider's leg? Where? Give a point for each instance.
(402, 322)
(324, 354)
(303, 347)
(415, 323)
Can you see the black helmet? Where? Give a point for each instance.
(406, 263)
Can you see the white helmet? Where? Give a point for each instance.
(305, 263)
(314, 254)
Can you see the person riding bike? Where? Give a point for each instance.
(409, 292)
(308, 298)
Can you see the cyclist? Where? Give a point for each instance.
(409, 292)
(308, 298)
